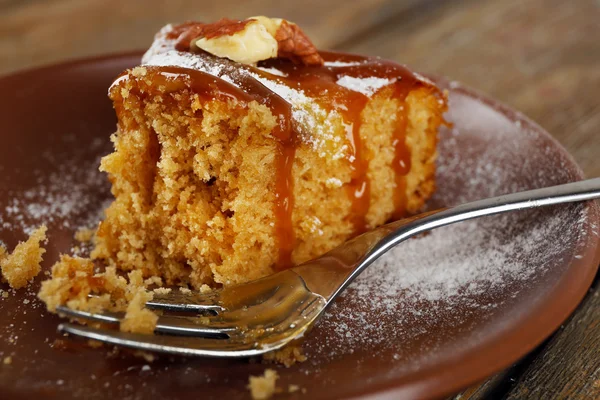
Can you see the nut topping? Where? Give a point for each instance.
(248, 41)
(295, 45)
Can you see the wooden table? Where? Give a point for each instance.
(540, 56)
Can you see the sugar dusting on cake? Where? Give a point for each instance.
(308, 115)
(336, 64)
(367, 86)
(273, 71)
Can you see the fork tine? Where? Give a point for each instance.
(182, 326)
(180, 345)
(186, 302)
(106, 317)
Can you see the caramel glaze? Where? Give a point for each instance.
(319, 83)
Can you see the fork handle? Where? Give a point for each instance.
(387, 236)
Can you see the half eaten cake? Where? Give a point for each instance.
(241, 150)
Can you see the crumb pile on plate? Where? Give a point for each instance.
(23, 264)
(263, 387)
(74, 280)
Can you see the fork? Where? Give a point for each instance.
(266, 314)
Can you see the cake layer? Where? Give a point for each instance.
(224, 172)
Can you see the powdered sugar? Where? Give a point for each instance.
(313, 121)
(341, 64)
(452, 274)
(160, 44)
(273, 71)
(62, 198)
(464, 260)
(185, 60)
(367, 86)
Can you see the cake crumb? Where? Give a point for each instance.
(153, 280)
(185, 290)
(263, 387)
(7, 360)
(23, 264)
(139, 319)
(205, 289)
(149, 357)
(162, 290)
(293, 388)
(94, 343)
(139, 71)
(84, 235)
(73, 280)
(287, 356)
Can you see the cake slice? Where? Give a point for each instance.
(241, 150)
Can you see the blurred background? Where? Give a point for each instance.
(540, 56)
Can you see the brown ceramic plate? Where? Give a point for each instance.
(441, 312)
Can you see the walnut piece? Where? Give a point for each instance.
(249, 45)
(295, 45)
(248, 41)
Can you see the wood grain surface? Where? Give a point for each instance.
(540, 56)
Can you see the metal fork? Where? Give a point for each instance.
(266, 314)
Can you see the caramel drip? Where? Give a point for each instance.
(403, 83)
(319, 83)
(209, 87)
(359, 188)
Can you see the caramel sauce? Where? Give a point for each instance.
(319, 83)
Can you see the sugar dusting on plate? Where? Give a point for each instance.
(63, 197)
(422, 296)
(451, 271)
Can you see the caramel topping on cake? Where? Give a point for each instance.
(333, 82)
